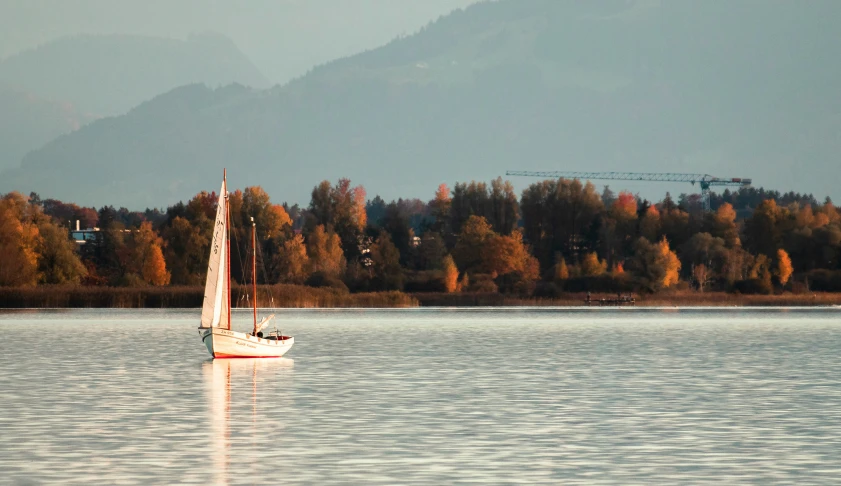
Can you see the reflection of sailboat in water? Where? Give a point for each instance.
(215, 329)
(219, 376)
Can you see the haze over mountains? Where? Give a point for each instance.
(745, 88)
(284, 38)
(62, 85)
(110, 74)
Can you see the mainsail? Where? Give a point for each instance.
(215, 294)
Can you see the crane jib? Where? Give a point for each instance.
(703, 180)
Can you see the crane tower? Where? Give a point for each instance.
(704, 181)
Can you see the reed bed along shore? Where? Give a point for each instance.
(299, 296)
(280, 296)
(666, 299)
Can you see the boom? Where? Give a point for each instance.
(705, 181)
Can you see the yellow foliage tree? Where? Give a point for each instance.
(670, 263)
(561, 269)
(19, 240)
(325, 252)
(591, 266)
(294, 262)
(450, 274)
(58, 260)
(724, 225)
(784, 268)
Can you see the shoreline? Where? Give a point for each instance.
(284, 296)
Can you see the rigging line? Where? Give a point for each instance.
(268, 286)
(242, 268)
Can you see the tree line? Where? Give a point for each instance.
(557, 236)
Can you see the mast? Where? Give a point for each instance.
(228, 242)
(254, 269)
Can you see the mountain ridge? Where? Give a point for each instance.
(108, 74)
(555, 85)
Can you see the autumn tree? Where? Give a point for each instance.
(505, 254)
(292, 264)
(19, 240)
(656, 264)
(146, 257)
(450, 274)
(561, 271)
(66, 214)
(723, 225)
(340, 209)
(783, 268)
(58, 260)
(591, 266)
(324, 250)
(270, 219)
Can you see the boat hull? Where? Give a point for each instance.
(222, 343)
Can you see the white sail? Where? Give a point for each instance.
(215, 295)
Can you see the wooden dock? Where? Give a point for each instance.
(619, 300)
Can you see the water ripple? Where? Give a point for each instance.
(425, 397)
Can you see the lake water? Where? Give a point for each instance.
(421, 396)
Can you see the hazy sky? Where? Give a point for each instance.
(284, 38)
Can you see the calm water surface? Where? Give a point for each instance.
(426, 397)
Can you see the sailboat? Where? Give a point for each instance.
(215, 328)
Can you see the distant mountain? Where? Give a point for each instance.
(745, 88)
(110, 74)
(28, 122)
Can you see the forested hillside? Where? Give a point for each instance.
(743, 88)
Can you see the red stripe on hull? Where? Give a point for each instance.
(231, 356)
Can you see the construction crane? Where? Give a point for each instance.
(705, 181)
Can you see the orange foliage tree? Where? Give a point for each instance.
(450, 274)
(148, 258)
(507, 254)
(784, 268)
(670, 263)
(625, 206)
